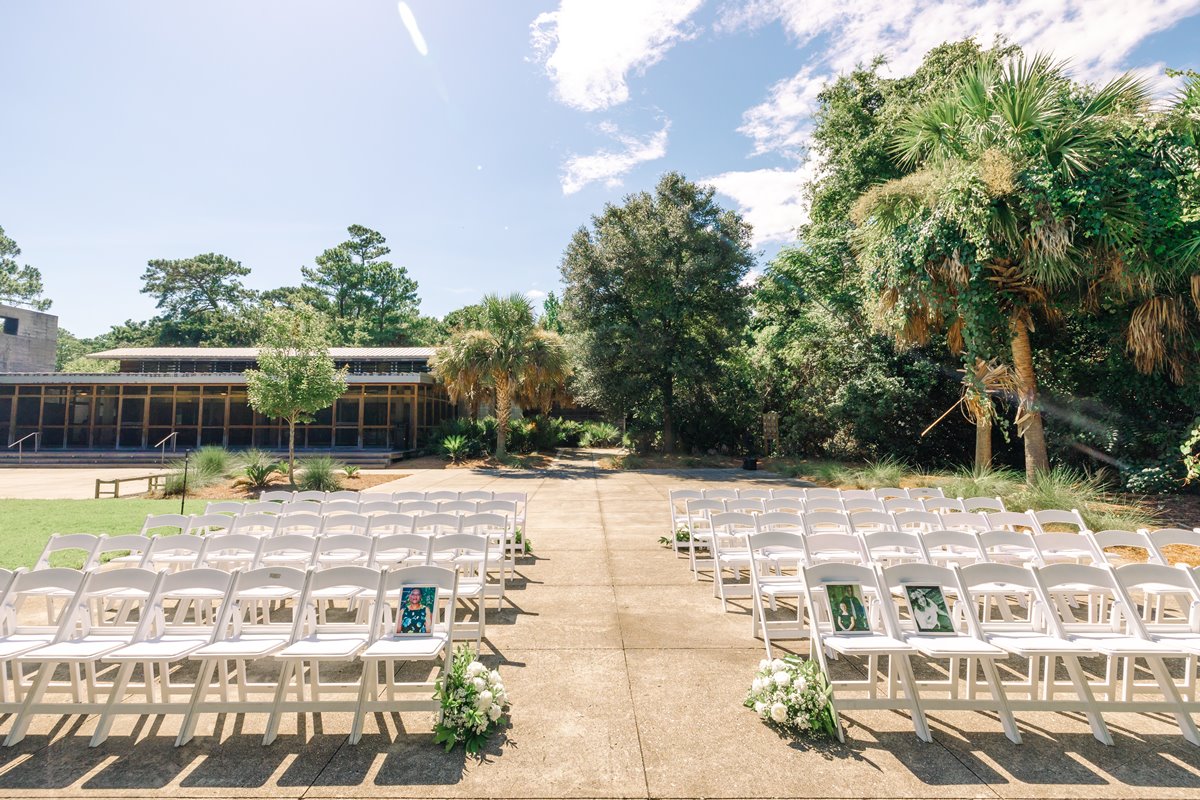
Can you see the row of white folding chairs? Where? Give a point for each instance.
(278, 496)
(1041, 628)
(100, 646)
(937, 505)
(809, 493)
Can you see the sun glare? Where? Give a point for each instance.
(414, 32)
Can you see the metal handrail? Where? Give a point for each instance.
(21, 449)
(170, 437)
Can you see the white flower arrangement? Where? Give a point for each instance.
(792, 695)
(473, 701)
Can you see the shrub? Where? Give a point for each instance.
(520, 436)
(257, 469)
(213, 460)
(455, 447)
(551, 432)
(351, 470)
(205, 467)
(600, 434)
(982, 483)
(1164, 478)
(319, 474)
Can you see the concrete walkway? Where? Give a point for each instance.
(627, 681)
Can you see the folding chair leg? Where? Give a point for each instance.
(285, 677)
(187, 728)
(1084, 691)
(366, 684)
(908, 683)
(116, 694)
(25, 715)
(997, 689)
(1171, 692)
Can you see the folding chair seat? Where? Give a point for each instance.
(916, 586)
(276, 496)
(257, 524)
(925, 493)
(895, 547)
(943, 505)
(417, 507)
(878, 641)
(343, 522)
(18, 637)
(1123, 638)
(917, 521)
(753, 494)
(1012, 521)
(869, 521)
(242, 636)
(404, 497)
(173, 553)
(471, 556)
(311, 496)
(304, 523)
(158, 643)
(315, 640)
(458, 507)
(787, 494)
(895, 505)
(476, 496)
(302, 507)
(826, 521)
(1071, 520)
(376, 507)
(729, 554)
(165, 524)
(288, 550)
(339, 507)
(82, 639)
(863, 505)
(343, 494)
(720, 494)
(966, 521)
(890, 493)
(952, 548)
(1034, 635)
(210, 524)
(230, 507)
(769, 585)
(985, 505)
(391, 523)
(401, 550)
(261, 507)
(388, 646)
(230, 551)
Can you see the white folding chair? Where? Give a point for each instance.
(477, 496)
(886, 548)
(1012, 521)
(943, 505)
(303, 523)
(787, 494)
(1069, 548)
(416, 507)
(174, 553)
(846, 548)
(311, 496)
(952, 548)
(1072, 520)
(376, 507)
(344, 549)
(231, 507)
(720, 494)
(918, 521)
(17, 635)
(390, 523)
(404, 497)
(729, 554)
(471, 556)
(260, 507)
(753, 494)
(1010, 547)
(982, 504)
(863, 505)
(891, 493)
(302, 507)
(699, 525)
(165, 524)
(374, 497)
(677, 501)
(769, 585)
(276, 496)
(868, 521)
(1138, 541)
(441, 495)
(788, 505)
(966, 521)
(925, 492)
(502, 553)
(895, 505)
(745, 506)
(81, 547)
(257, 524)
(115, 552)
(458, 507)
(387, 646)
(210, 524)
(288, 550)
(826, 521)
(1180, 627)
(230, 551)
(241, 636)
(346, 523)
(401, 550)
(824, 505)
(339, 507)
(343, 494)
(520, 522)
(1172, 537)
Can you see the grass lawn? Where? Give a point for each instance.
(25, 525)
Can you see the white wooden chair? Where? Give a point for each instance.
(863, 505)
(311, 496)
(210, 524)
(834, 546)
(276, 496)
(302, 507)
(720, 494)
(303, 523)
(376, 507)
(890, 493)
(886, 548)
(1071, 519)
(790, 505)
(769, 585)
(1179, 627)
(472, 556)
(419, 507)
(729, 555)
(952, 548)
(115, 552)
(174, 553)
(1012, 521)
(441, 495)
(165, 524)
(925, 493)
(965, 521)
(339, 507)
(477, 496)
(826, 521)
(918, 521)
(261, 507)
(405, 497)
(503, 551)
(230, 507)
(1134, 540)
(344, 494)
(391, 523)
(230, 551)
(401, 550)
(288, 550)
(346, 522)
(787, 493)
(374, 497)
(1010, 547)
(1170, 537)
(871, 521)
(985, 505)
(943, 505)
(458, 507)
(745, 506)
(257, 524)
(896, 505)
(17, 635)
(753, 494)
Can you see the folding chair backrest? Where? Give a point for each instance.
(185, 549)
(133, 544)
(984, 504)
(373, 507)
(895, 505)
(208, 524)
(764, 544)
(462, 544)
(842, 547)
(925, 492)
(1096, 581)
(436, 523)
(419, 507)
(224, 548)
(165, 524)
(297, 546)
(818, 576)
(749, 506)
(1158, 580)
(1072, 547)
(225, 507)
(1012, 520)
(303, 522)
(1174, 538)
(1006, 545)
(202, 583)
(780, 521)
(864, 521)
(405, 497)
(941, 505)
(966, 521)
(858, 494)
(476, 496)
(916, 574)
(302, 507)
(917, 520)
(277, 496)
(374, 497)
(339, 507)
(986, 582)
(389, 600)
(698, 509)
(83, 545)
(754, 494)
(506, 507)
(343, 494)
(27, 585)
(311, 496)
(365, 579)
(361, 546)
(1071, 520)
(733, 523)
(787, 494)
(890, 492)
(261, 507)
(346, 523)
(1137, 540)
(821, 521)
(854, 505)
(384, 524)
(458, 507)
(720, 494)
(485, 523)
(791, 505)
(134, 584)
(952, 545)
(257, 524)
(441, 495)
(889, 546)
(271, 577)
(397, 547)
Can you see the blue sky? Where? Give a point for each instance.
(140, 130)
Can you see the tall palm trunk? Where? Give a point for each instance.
(1030, 428)
(503, 409)
(983, 442)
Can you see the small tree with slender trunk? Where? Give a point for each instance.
(508, 355)
(295, 377)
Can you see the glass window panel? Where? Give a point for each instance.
(240, 437)
(318, 436)
(347, 437)
(375, 437)
(240, 412)
(104, 437)
(131, 437)
(134, 389)
(29, 411)
(375, 411)
(106, 410)
(214, 411)
(219, 391)
(187, 406)
(54, 390)
(212, 436)
(160, 411)
(347, 412)
(29, 390)
(323, 417)
(162, 390)
(7, 390)
(133, 411)
(51, 437)
(81, 410)
(6, 405)
(187, 439)
(77, 436)
(266, 437)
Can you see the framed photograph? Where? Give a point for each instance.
(847, 608)
(930, 612)
(417, 607)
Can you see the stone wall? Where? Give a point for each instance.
(32, 347)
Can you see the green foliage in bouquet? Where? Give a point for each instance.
(792, 695)
(473, 703)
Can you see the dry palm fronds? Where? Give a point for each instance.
(996, 170)
(954, 337)
(1156, 329)
(1196, 292)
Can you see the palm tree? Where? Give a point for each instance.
(509, 355)
(971, 240)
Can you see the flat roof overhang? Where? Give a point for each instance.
(188, 379)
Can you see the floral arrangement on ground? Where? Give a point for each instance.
(792, 695)
(474, 703)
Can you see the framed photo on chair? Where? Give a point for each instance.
(417, 607)
(847, 608)
(929, 610)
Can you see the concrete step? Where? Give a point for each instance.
(365, 459)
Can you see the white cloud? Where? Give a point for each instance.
(589, 47)
(784, 121)
(771, 200)
(414, 31)
(535, 294)
(610, 166)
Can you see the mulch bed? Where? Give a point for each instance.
(228, 490)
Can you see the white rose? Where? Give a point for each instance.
(757, 685)
(800, 685)
(479, 683)
(484, 700)
(779, 713)
(474, 669)
(494, 676)
(762, 665)
(777, 665)
(494, 712)
(760, 709)
(782, 679)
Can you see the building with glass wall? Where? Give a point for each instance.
(391, 403)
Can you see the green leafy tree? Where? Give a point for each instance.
(370, 300)
(655, 300)
(552, 314)
(209, 282)
(508, 355)
(464, 319)
(19, 284)
(295, 377)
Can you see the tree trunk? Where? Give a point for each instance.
(503, 409)
(292, 451)
(983, 443)
(1031, 430)
(669, 415)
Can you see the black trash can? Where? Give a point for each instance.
(750, 463)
